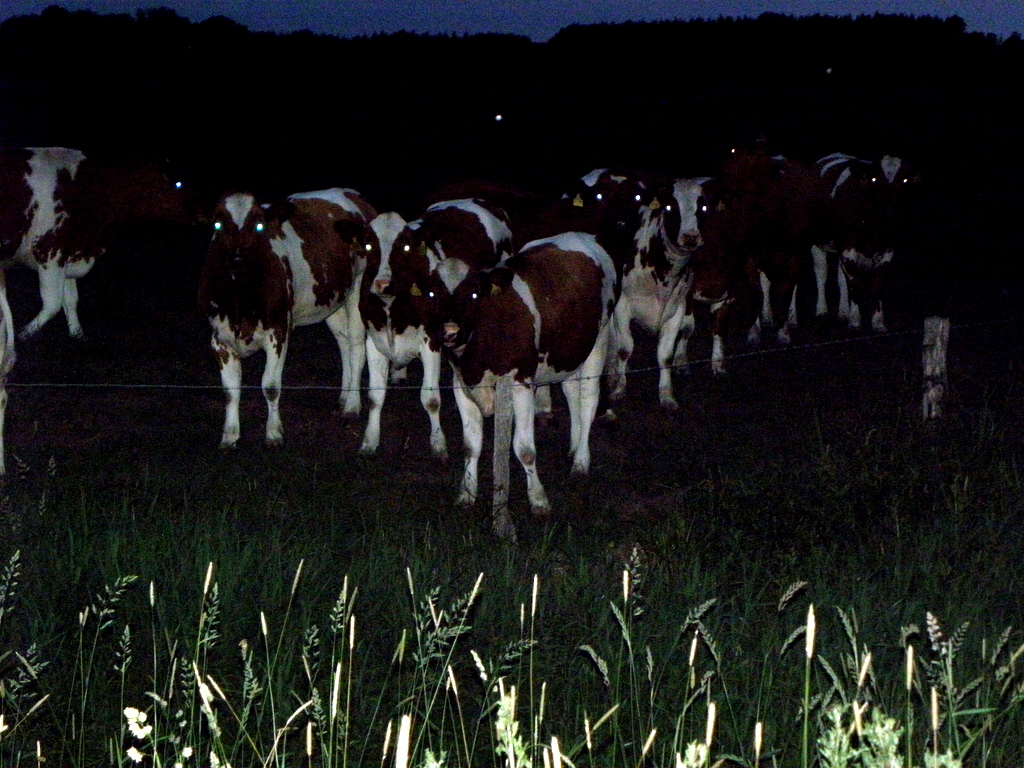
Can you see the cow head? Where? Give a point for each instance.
(610, 205)
(454, 297)
(681, 203)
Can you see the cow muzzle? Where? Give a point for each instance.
(381, 285)
(690, 240)
(451, 333)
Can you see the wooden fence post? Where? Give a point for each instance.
(502, 524)
(933, 362)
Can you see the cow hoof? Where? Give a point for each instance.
(542, 509)
(232, 446)
(274, 442)
(349, 415)
(465, 500)
(608, 417)
(669, 404)
(367, 450)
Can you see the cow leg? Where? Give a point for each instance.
(3, 413)
(430, 397)
(543, 401)
(231, 379)
(472, 440)
(585, 390)
(844, 298)
(820, 258)
(783, 298)
(271, 383)
(621, 349)
(681, 361)
(667, 336)
(70, 305)
(350, 334)
(754, 334)
(51, 291)
(523, 407)
(878, 318)
(719, 317)
(767, 316)
(378, 363)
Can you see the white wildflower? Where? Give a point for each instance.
(134, 755)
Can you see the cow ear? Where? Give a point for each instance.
(280, 211)
(350, 230)
(500, 278)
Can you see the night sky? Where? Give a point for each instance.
(537, 19)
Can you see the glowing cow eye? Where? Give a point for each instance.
(177, 185)
(430, 294)
(600, 196)
(874, 178)
(473, 296)
(368, 247)
(217, 225)
(637, 198)
(406, 248)
(259, 227)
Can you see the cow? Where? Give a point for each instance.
(60, 210)
(863, 212)
(410, 266)
(542, 316)
(656, 286)
(7, 358)
(272, 267)
(759, 218)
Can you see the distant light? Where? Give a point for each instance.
(497, 118)
(828, 71)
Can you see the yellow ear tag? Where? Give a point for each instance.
(721, 206)
(423, 249)
(495, 289)
(577, 201)
(655, 205)
(415, 290)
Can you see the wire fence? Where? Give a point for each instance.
(789, 349)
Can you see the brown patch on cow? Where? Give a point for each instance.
(331, 257)
(567, 292)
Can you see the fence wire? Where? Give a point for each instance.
(753, 353)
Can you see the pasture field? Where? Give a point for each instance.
(803, 465)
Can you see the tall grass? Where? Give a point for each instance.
(267, 611)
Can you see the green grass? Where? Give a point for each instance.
(327, 598)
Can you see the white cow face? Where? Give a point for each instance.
(240, 224)
(681, 214)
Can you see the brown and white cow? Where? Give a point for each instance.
(656, 286)
(543, 316)
(270, 268)
(410, 268)
(863, 218)
(759, 219)
(7, 358)
(61, 210)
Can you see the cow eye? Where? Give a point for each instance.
(637, 198)
(177, 185)
(259, 227)
(217, 225)
(406, 248)
(600, 196)
(368, 247)
(431, 294)
(474, 296)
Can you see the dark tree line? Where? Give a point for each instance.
(396, 114)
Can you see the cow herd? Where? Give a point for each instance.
(493, 280)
